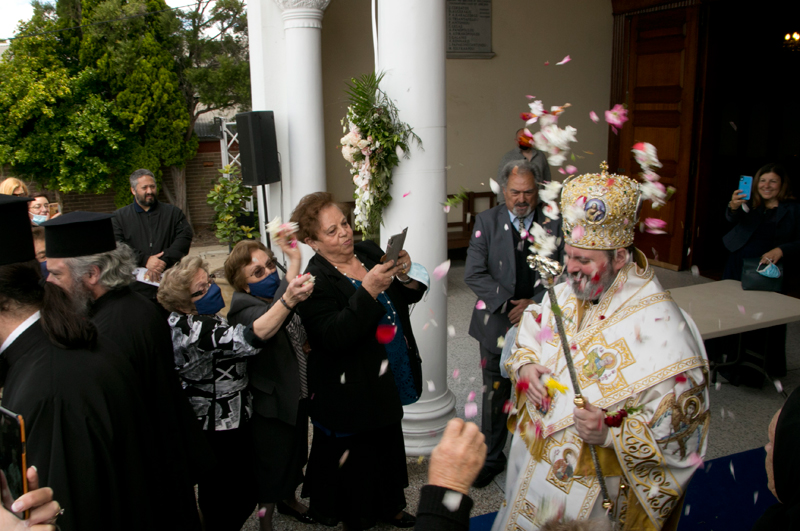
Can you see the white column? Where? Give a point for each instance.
(302, 22)
(411, 51)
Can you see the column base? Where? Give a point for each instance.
(424, 423)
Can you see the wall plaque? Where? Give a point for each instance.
(469, 29)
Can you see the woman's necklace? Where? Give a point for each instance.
(392, 316)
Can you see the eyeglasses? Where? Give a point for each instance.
(259, 271)
(39, 206)
(211, 280)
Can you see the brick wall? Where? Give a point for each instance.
(87, 202)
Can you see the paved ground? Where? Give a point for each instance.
(740, 414)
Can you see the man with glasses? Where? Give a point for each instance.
(497, 271)
(87, 262)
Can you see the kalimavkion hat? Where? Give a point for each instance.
(16, 239)
(79, 234)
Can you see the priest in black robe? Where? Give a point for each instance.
(86, 261)
(86, 424)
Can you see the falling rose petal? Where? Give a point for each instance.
(343, 458)
(593, 116)
(262, 512)
(686, 512)
(695, 271)
(732, 474)
(655, 225)
(385, 333)
(755, 497)
(441, 270)
(425, 326)
(470, 410)
(452, 500)
(688, 251)
(506, 228)
(718, 385)
(547, 63)
(546, 334)
(681, 378)
(578, 233)
(406, 194)
(562, 171)
(653, 492)
(471, 396)
(571, 169)
(757, 316)
(695, 460)
(431, 386)
(522, 386)
(495, 187)
(480, 305)
(483, 364)
(741, 309)
(501, 342)
(507, 406)
(477, 234)
(564, 61)
(446, 209)
(778, 385)
(456, 372)
(530, 97)
(341, 378)
(451, 331)
(384, 366)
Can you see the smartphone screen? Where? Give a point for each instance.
(53, 209)
(746, 185)
(13, 481)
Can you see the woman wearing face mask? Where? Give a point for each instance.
(211, 360)
(277, 376)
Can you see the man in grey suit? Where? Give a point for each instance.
(497, 271)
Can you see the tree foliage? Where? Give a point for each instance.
(94, 89)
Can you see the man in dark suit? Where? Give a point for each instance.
(497, 271)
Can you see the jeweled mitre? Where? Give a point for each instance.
(600, 210)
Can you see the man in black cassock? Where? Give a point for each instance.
(87, 433)
(97, 278)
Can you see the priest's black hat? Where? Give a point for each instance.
(79, 234)
(16, 239)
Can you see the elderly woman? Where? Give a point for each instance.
(363, 367)
(277, 377)
(211, 359)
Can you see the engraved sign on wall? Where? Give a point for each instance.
(469, 29)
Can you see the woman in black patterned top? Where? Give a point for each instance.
(211, 359)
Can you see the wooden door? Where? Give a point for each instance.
(656, 71)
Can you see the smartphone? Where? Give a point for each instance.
(746, 185)
(54, 209)
(394, 246)
(13, 465)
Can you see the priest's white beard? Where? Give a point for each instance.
(587, 289)
(81, 297)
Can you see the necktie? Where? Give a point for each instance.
(521, 228)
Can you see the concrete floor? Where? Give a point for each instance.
(739, 421)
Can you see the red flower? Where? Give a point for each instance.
(680, 378)
(385, 333)
(538, 319)
(614, 420)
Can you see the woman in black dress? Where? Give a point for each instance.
(363, 367)
(277, 376)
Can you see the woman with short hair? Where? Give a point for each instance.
(211, 359)
(277, 376)
(363, 367)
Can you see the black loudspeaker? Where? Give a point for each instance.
(258, 148)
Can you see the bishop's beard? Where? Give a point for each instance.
(588, 288)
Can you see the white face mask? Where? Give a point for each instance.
(39, 219)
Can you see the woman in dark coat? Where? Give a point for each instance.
(277, 374)
(363, 367)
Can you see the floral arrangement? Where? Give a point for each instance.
(374, 137)
(277, 229)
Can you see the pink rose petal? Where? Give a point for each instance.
(547, 63)
(578, 233)
(480, 305)
(441, 270)
(470, 410)
(564, 61)
(456, 372)
(593, 116)
(446, 209)
(477, 234)
(571, 169)
(546, 334)
(406, 194)
(471, 396)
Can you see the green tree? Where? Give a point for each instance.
(97, 88)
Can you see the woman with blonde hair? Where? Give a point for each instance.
(13, 186)
(211, 359)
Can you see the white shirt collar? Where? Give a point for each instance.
(27, 323)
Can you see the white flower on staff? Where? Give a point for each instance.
(544, 244)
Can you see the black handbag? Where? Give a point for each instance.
(755, 281)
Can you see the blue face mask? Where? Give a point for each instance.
(211, 302)
(267, 286)
(43, 266)
(771, 271)
(39, 219)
